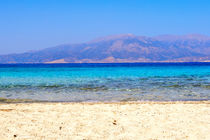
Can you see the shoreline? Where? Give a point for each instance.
(29, 101)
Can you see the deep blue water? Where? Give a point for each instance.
(106, 82)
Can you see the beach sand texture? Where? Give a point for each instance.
(148, 120)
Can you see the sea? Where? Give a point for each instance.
(111, 82)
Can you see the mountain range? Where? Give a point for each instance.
(120, 49)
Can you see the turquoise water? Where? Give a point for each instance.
(106, 82)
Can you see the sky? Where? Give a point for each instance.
(36, 24)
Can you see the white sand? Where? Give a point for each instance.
(180, 120)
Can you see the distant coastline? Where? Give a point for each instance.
(122, 49)
(155, 62)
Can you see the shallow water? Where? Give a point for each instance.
(106, 82)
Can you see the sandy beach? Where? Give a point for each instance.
(144, 120)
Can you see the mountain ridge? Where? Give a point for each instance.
(120, 49)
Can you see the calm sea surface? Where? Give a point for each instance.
(106, 82)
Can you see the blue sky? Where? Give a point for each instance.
(36, 24)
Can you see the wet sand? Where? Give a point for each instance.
(125, 120)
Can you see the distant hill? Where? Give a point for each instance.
(122, 48)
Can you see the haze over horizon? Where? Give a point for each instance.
(35, 25)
